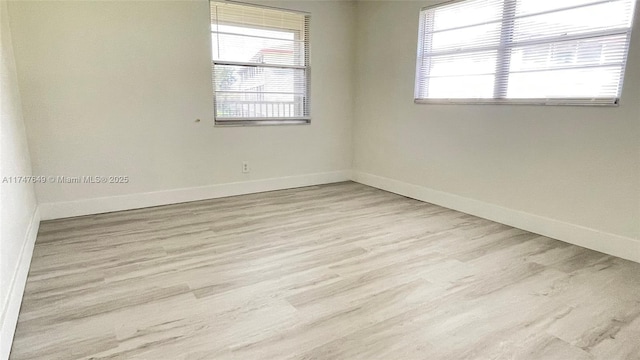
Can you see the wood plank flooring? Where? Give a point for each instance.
(340, 271)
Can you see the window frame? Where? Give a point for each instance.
(306, 101)
(503, 58)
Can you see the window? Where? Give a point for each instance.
(260, 64)
(565, 52)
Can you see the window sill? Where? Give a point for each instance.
(261, 122)
(547, 102)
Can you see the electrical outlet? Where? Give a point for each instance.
(245, 167)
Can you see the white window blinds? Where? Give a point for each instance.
(570, 52)
(260, 64)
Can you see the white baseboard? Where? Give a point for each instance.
(11, 309)
(58, 210)
(616, 245)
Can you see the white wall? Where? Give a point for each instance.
(573, 165)
(113, 88)
(18, 217)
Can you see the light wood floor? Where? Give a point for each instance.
(340, 271)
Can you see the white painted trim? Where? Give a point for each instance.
(612, 244)
(58, 210)
(11, 309)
